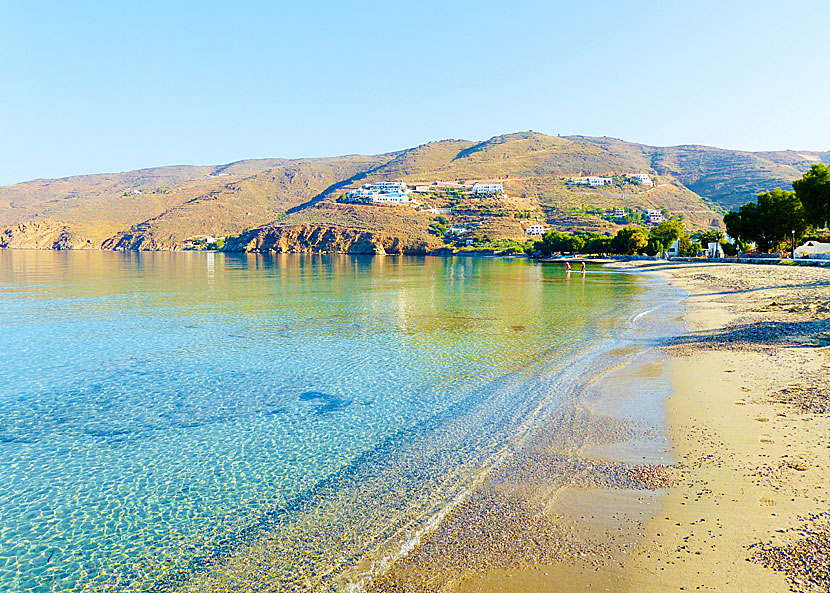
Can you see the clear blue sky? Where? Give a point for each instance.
(90, 87)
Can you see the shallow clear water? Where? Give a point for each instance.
(171, 420)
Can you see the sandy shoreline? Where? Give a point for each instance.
(573, 494)
(750, 432)
(744, 505)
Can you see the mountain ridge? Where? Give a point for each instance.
(161, 207)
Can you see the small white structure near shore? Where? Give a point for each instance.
(813, 250)
(714, 250)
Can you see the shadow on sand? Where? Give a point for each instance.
(810, 333)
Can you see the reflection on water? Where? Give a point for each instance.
(190, 420)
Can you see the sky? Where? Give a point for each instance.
(91, 87)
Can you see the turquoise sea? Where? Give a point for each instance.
(182, 421)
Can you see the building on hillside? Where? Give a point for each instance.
(592, 181)
(456, 230)
(387, 186)
(642, 178)
(619, 213)
(381, 192)
(813, 250)
(440, 211)
(654, 217)
(488, 188)
(393, 198)
(445, 185)
(535, 230)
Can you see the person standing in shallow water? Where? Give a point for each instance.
(583, 267)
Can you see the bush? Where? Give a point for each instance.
(729, 248)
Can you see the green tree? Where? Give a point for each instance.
(630, 240)
(558, 242)
(597, 244)
(667, 232)
(743, 223)
(687, 247)
(707, 237)
(813, 190)
(770, 222)
(653, 247)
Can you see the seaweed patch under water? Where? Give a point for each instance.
(329, 403)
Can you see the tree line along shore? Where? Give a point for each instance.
(776, 222)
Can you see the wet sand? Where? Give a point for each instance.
(569, 504)
(741, 502)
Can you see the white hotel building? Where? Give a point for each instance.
(381, 192)
(593, 181)
(535, 230)
(488, 188)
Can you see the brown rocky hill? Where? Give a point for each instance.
(728, 178)
(160, 208)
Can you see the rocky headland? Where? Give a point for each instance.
(328, 239)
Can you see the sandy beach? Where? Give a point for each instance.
(749, 426)
(742, 504)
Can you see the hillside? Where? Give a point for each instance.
(161, 208)
(728, 178)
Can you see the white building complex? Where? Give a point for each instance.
(535, 230)
(488, 188)
(388, 186)
(381, 192)
(654, 217)
(642, 178)
(593, 181)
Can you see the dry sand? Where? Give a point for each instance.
(750, 433)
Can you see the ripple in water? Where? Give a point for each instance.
(200, 421)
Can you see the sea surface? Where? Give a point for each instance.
(184, 421)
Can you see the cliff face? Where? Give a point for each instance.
(136, 241)
(326, 239)
(44, 235)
